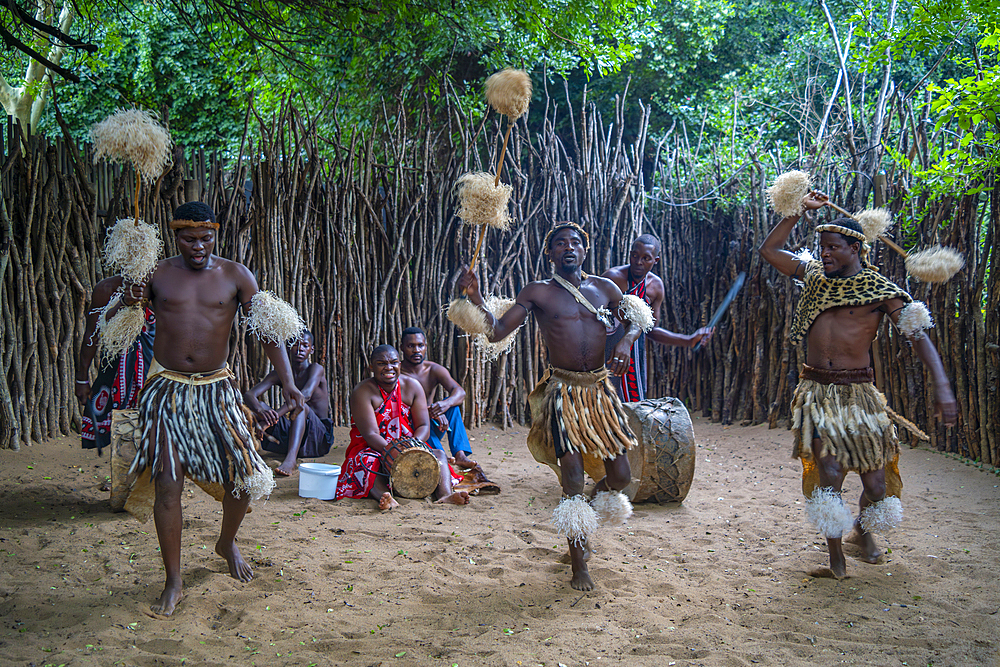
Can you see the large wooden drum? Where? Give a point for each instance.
(125, 436)
(413, 471)
(663, 463)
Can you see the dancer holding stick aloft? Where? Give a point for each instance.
(841, 422)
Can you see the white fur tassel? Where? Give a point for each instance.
(934, 264)
(883, 516)
(805, 255)
(828, 512)
(914, 319)
(575, 519)
(273, 319)
(612, 507)
(638, 312)
(498, 306)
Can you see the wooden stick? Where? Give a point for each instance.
(138, 185)
(881, 237)
(475, 255)
(503, 151)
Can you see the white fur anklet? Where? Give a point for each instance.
(828, 512)
(575, 519)
(612, 507)
(883, 516)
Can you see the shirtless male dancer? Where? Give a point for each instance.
(577, 418)
(840, 420)
(189, 407)
(385, 407)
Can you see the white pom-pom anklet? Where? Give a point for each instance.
(612, 507)
(575, 519)
(883, 516)
(828, 512)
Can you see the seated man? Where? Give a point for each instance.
(446, 414)
(385, 407)
(310, 433)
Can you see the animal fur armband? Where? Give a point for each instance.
(914, 319)
(637, 312)
(116, 335)
(612, 507)
(827, 511)
(272, 319)
(498, 306)
(883, 516)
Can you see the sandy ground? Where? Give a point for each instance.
(721, 580)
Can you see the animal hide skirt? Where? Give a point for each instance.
(573, 411)
(196, 421)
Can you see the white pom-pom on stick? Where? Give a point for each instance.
(132, 248)
(273, 319)
(117, 335)
(934, 264)
(509, 92)
(575, 519)
(133, 135)
(498, 306)
(787, 192)
(468, 317)
(914, 319)
(875, 222)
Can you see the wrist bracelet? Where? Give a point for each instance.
(83, 381)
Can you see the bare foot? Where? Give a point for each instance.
(578, 555)
(463, 461)
(870, 553)
(457, 498)
(165, 604)
(239, 569)
(826, 573)
(387, 502)
(286, 468)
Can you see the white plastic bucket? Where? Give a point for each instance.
(318, 480)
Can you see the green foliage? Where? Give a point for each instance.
(148, 58)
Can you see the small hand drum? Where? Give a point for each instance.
(413, 471)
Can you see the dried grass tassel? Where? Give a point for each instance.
(492, 351)
(787, 192)
(273, 319)
(575, 519)
(117, 335)
(468, 317)
(132, 248)
(135, 136)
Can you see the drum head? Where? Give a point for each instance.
(415, 473)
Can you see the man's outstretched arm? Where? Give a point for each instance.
(944, 398)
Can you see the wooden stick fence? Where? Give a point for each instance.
(358, 231)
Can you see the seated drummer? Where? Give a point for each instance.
(310, 433)
(446, 414)
(385, 407)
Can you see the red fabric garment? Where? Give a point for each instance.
(361, 462)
